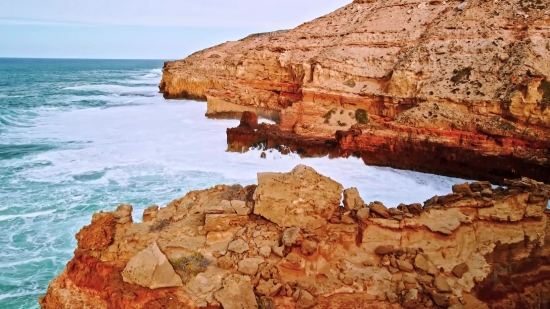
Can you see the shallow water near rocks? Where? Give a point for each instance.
(80, 136)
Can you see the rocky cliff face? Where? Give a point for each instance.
(288, 243)
(473, 75)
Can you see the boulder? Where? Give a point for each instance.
(241, 208)
(462, 188)
(151, 269)
(352, 199)
(441, 284)
(237, 293)
(421, 262)
(249, 119)
(405, 266)
(249, 266)
(379, 209)
(238, 246)
(460, 269)
(302, 198)
(479, 186)
(362, 214)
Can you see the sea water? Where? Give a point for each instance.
(80, 136)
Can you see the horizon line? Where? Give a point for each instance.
(84, 58)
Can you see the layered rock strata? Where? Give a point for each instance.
(444, 75)
(459, 154)
(288, 243)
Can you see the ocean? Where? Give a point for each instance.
(80, 136)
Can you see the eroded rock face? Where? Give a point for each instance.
(302, 198)
(456, 86)
(466, 249)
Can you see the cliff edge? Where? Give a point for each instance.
(436, 77)
(288, 243)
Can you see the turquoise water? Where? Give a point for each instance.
(79, 136)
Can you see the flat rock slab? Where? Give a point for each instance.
(150, 268)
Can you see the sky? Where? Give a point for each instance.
(142, 29)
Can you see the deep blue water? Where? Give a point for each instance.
(79, 136)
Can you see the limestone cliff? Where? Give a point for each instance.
(288, 243)
(472, 74)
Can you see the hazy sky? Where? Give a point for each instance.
(147, 29)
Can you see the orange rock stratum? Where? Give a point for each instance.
(463, 84)
(288, 243)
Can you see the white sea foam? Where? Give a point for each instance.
(172, 138)
(27, 215)
(118, 89)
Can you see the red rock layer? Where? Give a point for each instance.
(288, 243)
(479, 71)
(456, 153)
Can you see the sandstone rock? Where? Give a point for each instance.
(379, 209)
(293, 261)
(363, 214)
(347, 220)
(425, 279)
(392, 297)
(456, 306)
(460, 269)
(441, 284)
(415, 209)
(249, 266)
(99, 234)
(241, 208)
(268, 287)
(411, 299)
(265, 251)
(239, 246)
(352, 199)
(421, 262)
(150, 268)
(480, 186)
(409, 278)
(300, 198)
(382, 250)
(292, 236)
(441, 299)
(279, 251)
(237, 293)
(225, 262)
(309, 247)
(305, 300)
(405, 266)
(249, 119)
(223, 222)
(462, 189)
(150, 213)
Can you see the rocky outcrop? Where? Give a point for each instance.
(477, 247)
(452, 153)
(443, 76)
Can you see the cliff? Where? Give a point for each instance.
(288, 243)
(457, 75)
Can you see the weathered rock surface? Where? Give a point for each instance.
(463, 250)
(308, 201)
(468, 88)
(150, 269)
